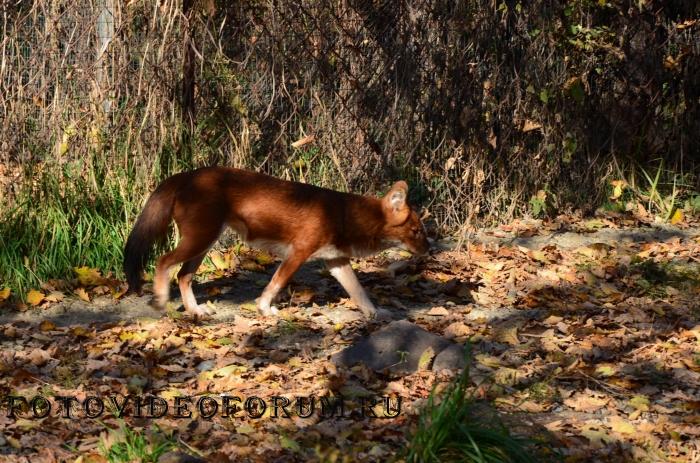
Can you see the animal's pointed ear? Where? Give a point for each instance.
(397, 196)
(395, 203)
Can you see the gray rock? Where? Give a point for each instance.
(397, 348)
(451, 358)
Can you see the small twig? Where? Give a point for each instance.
(615, 390)
(189, 447)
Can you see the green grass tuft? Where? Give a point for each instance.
(62, 220)
(453, 430)
(124, 445)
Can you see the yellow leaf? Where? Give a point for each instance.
(606, 370)
(62, 148)
(249, 306)
(79, 331)
(677, 217)
(119, 291)
(88, 276)
(618, 187)
(617, 192)
(170, 394)
(640, 402)
(4, 294)
(34, 297)
(94, 135)
(425, 358)
(594, 224)
(621, 425)
(221, 261)
(506, 376)
(245, 429)
(47, 325)
(82, 294)
(203, 343)
(488, 360)
(264, 258)
(13, 442)
(228, 370)
(539, 256)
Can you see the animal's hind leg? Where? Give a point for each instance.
(194, 244)
(184, 279)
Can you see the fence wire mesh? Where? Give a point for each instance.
(479, 102)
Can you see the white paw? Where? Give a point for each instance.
(200, 310)
(369, 311)
(268, 311)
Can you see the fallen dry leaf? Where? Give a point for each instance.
(425, 358)
(55, 296)
(82, 294)
(457, 330)
(438, 311)
(35, 297)
(47, 325)
(621, 425)
(89, 276)
(586, 402)
(38, 357)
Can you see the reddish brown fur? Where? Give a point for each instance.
(272, 212)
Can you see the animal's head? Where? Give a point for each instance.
(402, 222)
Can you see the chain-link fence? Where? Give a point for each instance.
(480, 103)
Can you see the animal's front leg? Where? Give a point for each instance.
(279, 280)
(342, 271)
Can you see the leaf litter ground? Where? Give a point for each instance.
(592, 336)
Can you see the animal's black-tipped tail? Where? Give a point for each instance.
(150, 227)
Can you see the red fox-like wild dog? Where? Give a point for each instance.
(295, 221)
